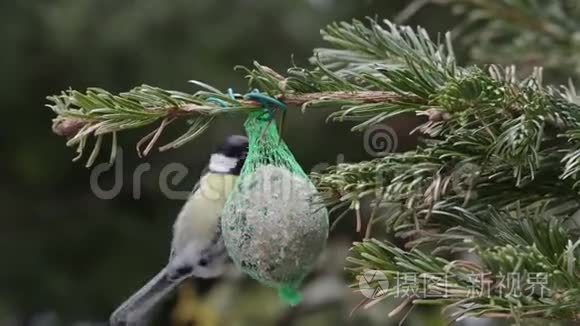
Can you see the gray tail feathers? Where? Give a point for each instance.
(137, 309)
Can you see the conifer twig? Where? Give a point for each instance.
(98, 112)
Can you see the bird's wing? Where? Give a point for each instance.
(193, 191)
(138, 308)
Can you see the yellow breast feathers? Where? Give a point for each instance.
(199, 217)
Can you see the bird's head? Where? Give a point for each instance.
(230, 156)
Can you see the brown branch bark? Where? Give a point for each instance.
(361, 97)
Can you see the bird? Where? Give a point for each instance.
(197, 247)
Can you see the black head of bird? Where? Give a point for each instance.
(230, 156)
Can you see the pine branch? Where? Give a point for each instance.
(499, 143)
(469, 289)
(538, 17)
(523, 32)
(361, 49)
(367, 97)
(98, 112)
(511, 128)
(361, 97)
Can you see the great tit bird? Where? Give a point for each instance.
(197, 249)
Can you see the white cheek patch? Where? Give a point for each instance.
(221, 163)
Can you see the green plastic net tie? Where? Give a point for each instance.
(231, 94)
(269, 103)
(289, 295)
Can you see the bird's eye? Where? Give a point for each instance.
(203, 262)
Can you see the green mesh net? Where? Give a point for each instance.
(274, 225)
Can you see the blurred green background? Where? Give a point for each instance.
(70, 257)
